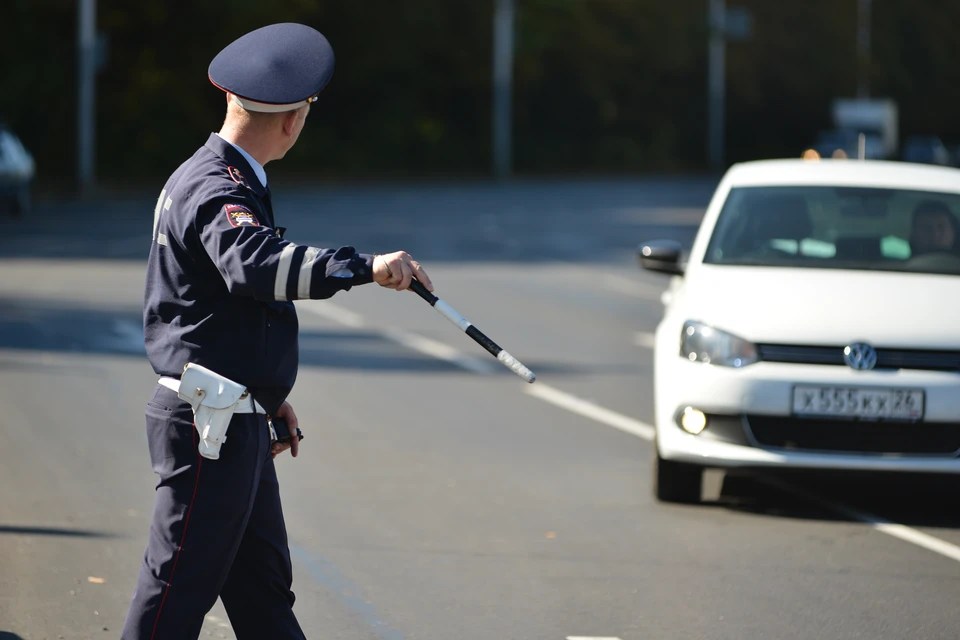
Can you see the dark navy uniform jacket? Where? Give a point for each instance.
(220, 278)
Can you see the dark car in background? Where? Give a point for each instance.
(17, 171)
(926, 150)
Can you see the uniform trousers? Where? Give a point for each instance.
(217, 530)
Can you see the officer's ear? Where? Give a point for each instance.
(290, 121)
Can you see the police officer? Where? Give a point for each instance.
(219, 286)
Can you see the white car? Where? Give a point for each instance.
(815, 324)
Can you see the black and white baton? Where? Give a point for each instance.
(467, 327)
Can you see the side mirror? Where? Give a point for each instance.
(662, 256)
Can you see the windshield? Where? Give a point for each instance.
(838, 228)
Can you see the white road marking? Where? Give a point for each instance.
(591, 638)
(899, 531)
(412, 341)
(333, 312)
(670, 216)
(627, 286)
(645, 339)
(438, 350)
(911, 535)
(616, 420)
(590, 410)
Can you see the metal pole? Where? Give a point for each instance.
(502, 81)
(863, 48)
(86, 73)
(716, 83)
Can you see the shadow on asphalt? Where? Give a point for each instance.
(51, 531)
(6, 635)
(45, 326)
(918, 500)
(369, 350)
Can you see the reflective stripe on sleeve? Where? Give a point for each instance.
(306, 272)
(283, 271)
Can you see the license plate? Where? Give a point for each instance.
(852, 402)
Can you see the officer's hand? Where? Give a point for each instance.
(396, 270)
(286, 412)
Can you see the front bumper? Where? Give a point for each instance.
(751, 409)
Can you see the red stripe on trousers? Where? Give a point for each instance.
(183, 535)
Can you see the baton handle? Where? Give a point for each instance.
(421, 291)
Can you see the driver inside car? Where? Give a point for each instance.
(934, 230)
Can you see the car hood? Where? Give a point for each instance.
(824, 306)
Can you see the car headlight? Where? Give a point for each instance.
(703, 343)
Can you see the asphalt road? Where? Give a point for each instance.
(438, 496)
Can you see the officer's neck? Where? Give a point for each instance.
(261, 149)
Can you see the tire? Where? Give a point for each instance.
(677, 482)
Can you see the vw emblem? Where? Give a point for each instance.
(860, 356)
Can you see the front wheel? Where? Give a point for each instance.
(676, 481)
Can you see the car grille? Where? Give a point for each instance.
(811, 434)
(886, 358)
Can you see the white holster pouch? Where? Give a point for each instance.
(214, 400)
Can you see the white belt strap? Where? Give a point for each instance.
(246, 405)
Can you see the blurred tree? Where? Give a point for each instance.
(600, 86)
(608, 85)
(781, 82)
(915, 51)
(37, 80)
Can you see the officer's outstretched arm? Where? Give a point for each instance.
(254, 261)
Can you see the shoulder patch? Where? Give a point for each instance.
(238, 177)
(240, 216)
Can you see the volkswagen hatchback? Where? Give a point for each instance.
(814, 324)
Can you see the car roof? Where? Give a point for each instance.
(844, 172)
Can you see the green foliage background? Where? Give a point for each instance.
(601, 86)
